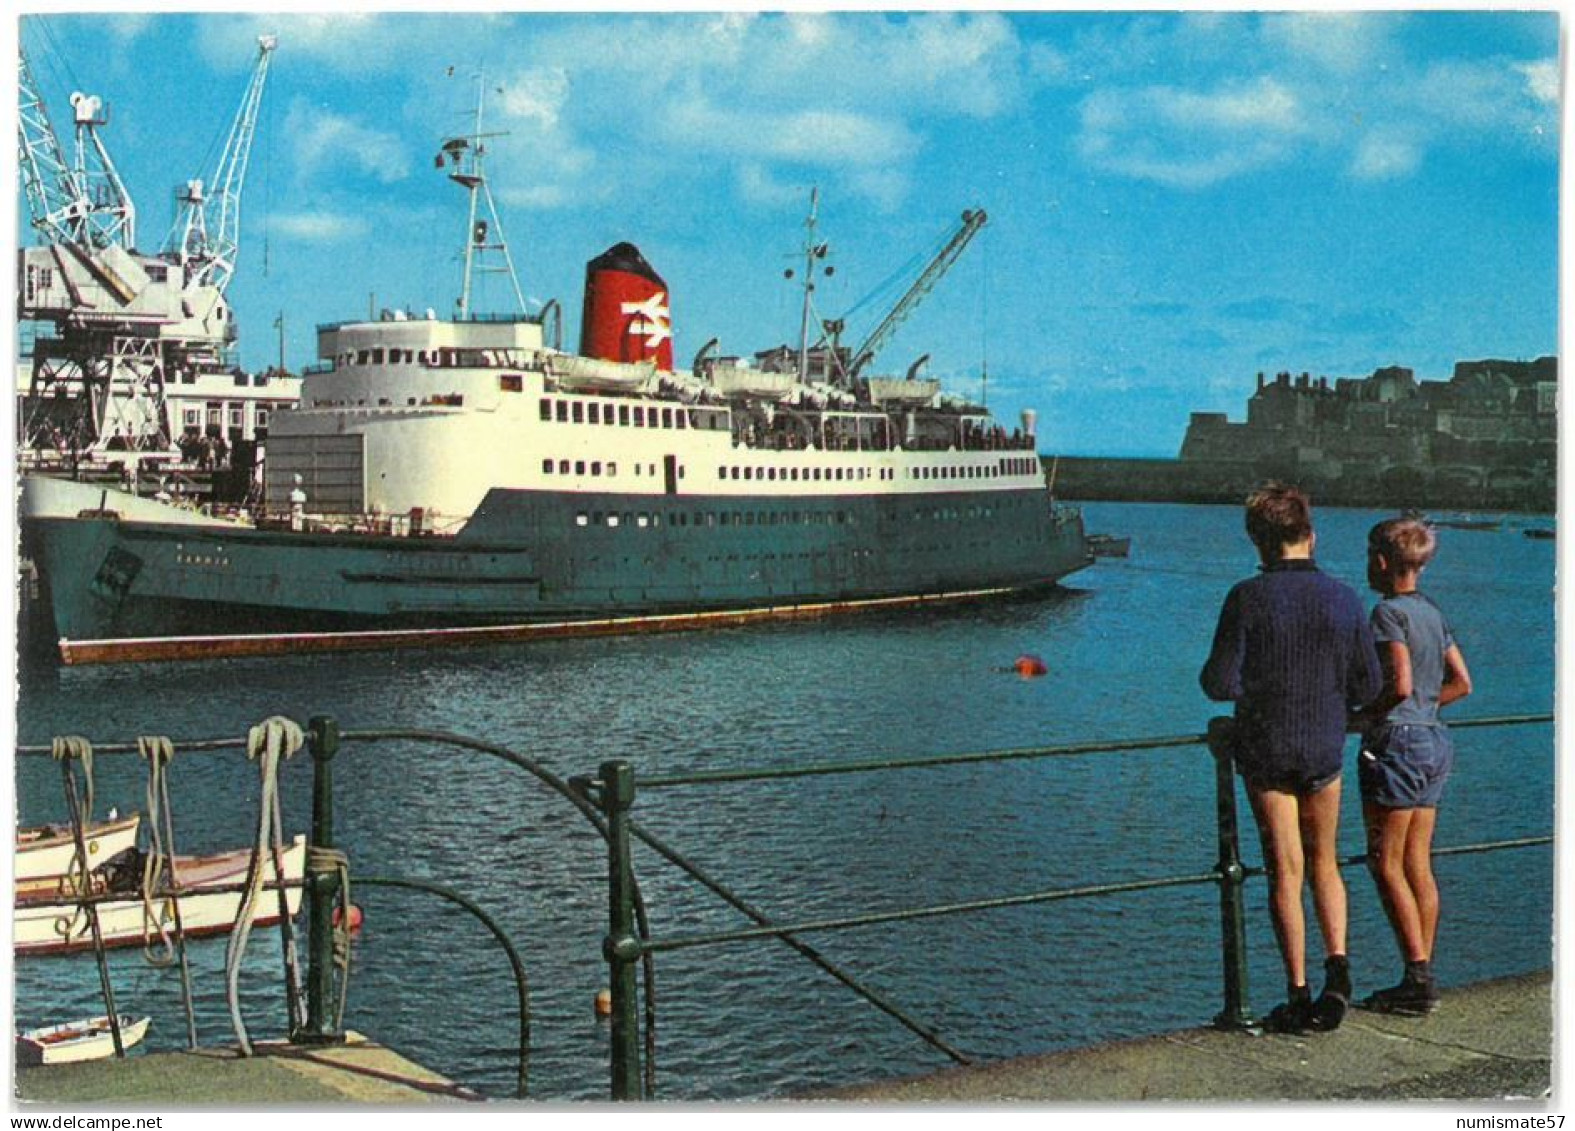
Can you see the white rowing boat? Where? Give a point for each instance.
(48, 920)
(76, 1041)
(47, 850)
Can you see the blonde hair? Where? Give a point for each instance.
(1408, 543)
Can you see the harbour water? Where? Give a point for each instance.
(1123, 642)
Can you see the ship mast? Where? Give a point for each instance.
(812, 252)
(467, 154)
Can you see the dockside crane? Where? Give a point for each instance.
(972, 221)
(205, 238)
(53, 200)
(124, 324)
(84, 203)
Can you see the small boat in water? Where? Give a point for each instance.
(48, 919)
(1109, 546)
(1538, 532)
(76, 1041)
(48, 850)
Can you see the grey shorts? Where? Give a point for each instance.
(1405, 766)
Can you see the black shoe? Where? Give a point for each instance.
(1408, 999)
(1329, 1010)
(1293, 1016)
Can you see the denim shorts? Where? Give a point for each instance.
(1405, 766)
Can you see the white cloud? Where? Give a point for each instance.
(1263, 105)
(1191, 139)
(125, 26)
(1343, 43)
(758, 186)
(1542, 80)
(350, 42)
(1343, 86)
(764, 98)
(1382, 157)
(325, 141)
(320, 227)
(537, 95)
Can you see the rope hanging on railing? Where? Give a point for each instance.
(68, 748)
(318, 861)
(268, 743)
(157, 752)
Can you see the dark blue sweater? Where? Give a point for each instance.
(1293, 650)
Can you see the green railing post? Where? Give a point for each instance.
(322, 886)
(621, 948)
(1232, 876)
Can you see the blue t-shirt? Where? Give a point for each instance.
(1413, 620)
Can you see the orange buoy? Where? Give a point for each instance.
(604, 1003)
(1028, 666)
(356, 918)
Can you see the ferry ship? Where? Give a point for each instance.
(466, 479)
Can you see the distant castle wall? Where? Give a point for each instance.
(1487, 439)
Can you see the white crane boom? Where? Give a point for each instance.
(84, 204)
(972, 221)
(112, 217)
(206, 235)
(56, 204)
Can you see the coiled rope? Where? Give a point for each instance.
(320, 860)
(268, 743)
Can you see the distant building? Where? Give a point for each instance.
(1487, 435)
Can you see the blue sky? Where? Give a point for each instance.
(1177, 200)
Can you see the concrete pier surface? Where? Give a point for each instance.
(1490, 1041)
(1493, 1040)
(280, 1075)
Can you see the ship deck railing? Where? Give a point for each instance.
(607, 800)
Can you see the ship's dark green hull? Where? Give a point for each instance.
(547, 556)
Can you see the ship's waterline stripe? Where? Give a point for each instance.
(132, 649)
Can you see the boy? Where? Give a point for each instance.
(1294, 652)
(1407, 752)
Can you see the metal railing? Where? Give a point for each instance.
(327, 942)
(615, 788)
(607, 802)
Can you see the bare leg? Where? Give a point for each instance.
(1419, 875)
(1280, 834)
(1387, 835)
(1320, 826)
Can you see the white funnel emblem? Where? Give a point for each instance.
(651, 319)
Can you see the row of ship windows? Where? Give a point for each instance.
(948, 549)
(642, 520)
(717, 518)
(808, 473)
(794, 474)
(595, 467)
(631, 416)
